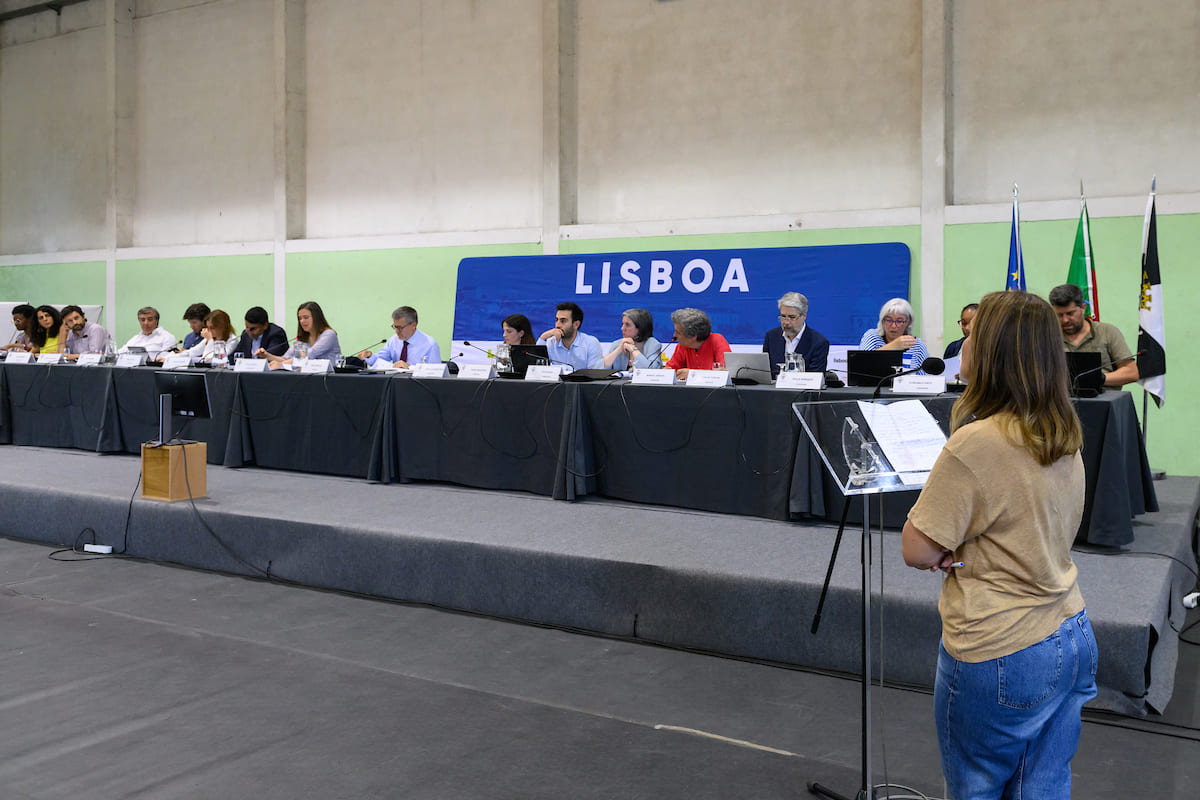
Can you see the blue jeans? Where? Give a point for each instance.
(1009, 727)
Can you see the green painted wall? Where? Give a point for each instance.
(358, 290)
(976, 257)
(230, 283)
(80, 283)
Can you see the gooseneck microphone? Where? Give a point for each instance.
(488, 353)
(930, 366)
(368, 347)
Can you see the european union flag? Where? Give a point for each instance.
(1016, 263)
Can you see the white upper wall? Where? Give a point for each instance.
(1051, 92)
(204, 109)
(708, 108)
(423, 116)
(53, 163)
(426, 116)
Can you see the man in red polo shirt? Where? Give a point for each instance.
(699, 347)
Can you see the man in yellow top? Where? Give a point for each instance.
(1083, 335)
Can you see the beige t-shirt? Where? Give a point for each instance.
(1011, 521)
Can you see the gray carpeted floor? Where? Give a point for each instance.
(129, 679)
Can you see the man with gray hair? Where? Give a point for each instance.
(794, 336)
(152, 339)
(699, 347)
(407, 345)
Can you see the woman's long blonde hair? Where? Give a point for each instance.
(1016, 368)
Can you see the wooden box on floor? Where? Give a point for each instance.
(163, 472)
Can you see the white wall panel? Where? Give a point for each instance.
(53, 178)
(709, 108)
(1048, 92)
(423, 116)
(204, 142)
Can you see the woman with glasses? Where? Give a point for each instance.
(998, 516)
(894, 332)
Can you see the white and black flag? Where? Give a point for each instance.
(1152, 338)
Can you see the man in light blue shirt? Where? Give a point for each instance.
(565, 344)
(408, 345)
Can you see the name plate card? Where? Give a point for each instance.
(919, 384)
(434, 370)
(708, 377)
(314, 366)
(18, 357)
(803, 381)
(89, 359)
(653, 377)
(250, 365)
(476, 372)
(131, 359)
(543, 373)
(182, 361)
(49, 358)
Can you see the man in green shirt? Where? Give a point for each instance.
(1083, 335)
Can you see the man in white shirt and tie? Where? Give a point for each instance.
(153, 339)
(408, 345)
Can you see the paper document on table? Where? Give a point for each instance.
(908, 435)
(952, 368)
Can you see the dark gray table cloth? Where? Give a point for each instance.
(737, 450)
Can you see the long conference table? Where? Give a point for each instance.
(737, 450)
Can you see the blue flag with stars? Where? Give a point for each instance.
(1016, 263)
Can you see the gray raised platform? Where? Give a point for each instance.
(731, 585)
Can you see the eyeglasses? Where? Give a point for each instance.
(895, 321)
(790, 317)
(963, 323)
(402, 326)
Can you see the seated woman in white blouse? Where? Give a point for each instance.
(637, 348)
(216, 337)
(314, 338)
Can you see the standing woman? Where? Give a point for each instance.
(44, 337)
(314, 337)
(1018, 658)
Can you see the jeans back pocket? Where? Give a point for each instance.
(1029, 676)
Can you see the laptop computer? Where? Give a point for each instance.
(749, 368)
(869, 367)
(1087, 376)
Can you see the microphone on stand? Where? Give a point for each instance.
(368, 347)
(931, 366)
(487, 353)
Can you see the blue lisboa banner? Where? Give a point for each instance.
(845, 285)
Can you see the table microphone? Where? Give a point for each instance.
(488, 353)
(931, 366)
(368, 347)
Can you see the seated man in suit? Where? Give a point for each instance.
(954, 349)
(261, 332)
(794, 336)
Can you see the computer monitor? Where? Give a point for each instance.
(869, 367)
(180, 394)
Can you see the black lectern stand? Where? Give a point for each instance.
(871, 447)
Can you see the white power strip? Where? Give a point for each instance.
(103, 549)
(1191, 600)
